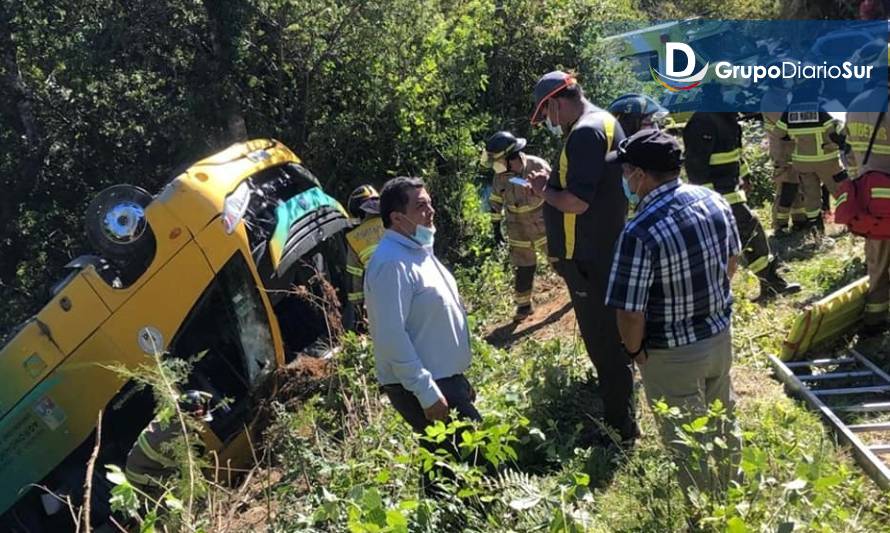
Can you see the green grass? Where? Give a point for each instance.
(349, 462)
(337, 457)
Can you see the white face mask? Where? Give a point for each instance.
(555, 129)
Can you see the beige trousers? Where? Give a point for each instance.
(877, 301)
(690, 378)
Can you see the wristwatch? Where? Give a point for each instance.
(642, 349)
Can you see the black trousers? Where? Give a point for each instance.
(755, 246)
(458, 394)
(587, 282)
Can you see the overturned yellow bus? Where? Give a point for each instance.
(200, 268)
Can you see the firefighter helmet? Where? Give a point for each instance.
(364, 200)
(636, 111)
(500, 146)
(196, 403)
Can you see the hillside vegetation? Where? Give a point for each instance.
(95, 93)
(339, 458)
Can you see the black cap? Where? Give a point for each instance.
(649, 149)
(549, 85)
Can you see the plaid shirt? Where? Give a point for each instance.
(671, 262)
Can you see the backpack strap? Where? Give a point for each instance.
(874, 134)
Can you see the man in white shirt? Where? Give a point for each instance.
(416, 318)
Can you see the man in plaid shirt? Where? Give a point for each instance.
(670, 284)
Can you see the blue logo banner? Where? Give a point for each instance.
(755, 66)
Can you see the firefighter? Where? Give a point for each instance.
(868, 134)
(816, 157)
(788, 203)
(150, 461)
(636, 112)
(364, 206)
(518, 206)
(713, 143)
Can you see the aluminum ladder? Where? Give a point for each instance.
(839, 389)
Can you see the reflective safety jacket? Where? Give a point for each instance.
(362, 241)
(863, 203)
(516, 200)
(713, 144)
(149, 461)
(859, 128)
(780, 145)
(816, 136)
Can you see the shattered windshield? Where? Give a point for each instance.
(228, 340)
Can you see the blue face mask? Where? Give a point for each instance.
(631, 196)
(425, 235)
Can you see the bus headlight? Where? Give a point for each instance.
(235, 206)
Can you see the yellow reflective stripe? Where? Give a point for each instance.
(880, 192)
(520, 244)
(876, 148)
(523, 298)
(540, 243)
(798, 211)
(524, 208)
(815, 213)
(783, 216)
(495, 198)
(708, 186)
(826, 156)
(840, 199)
(736, 197)
(365, 255)
(497, 217)
(355, 271)
(137, 478)
(151, 453)
(877, 308)
(569, 219)
(355, 296)
(724, 158)
(609, 124)
(797, 132)
(758, 264)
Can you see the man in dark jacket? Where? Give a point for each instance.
(713, 143)
(584, 212)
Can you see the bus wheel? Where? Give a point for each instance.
(116, 224)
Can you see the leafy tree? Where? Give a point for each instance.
(97, 93)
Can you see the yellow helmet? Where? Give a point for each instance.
(364, 200)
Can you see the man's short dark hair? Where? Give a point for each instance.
(394, 196)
